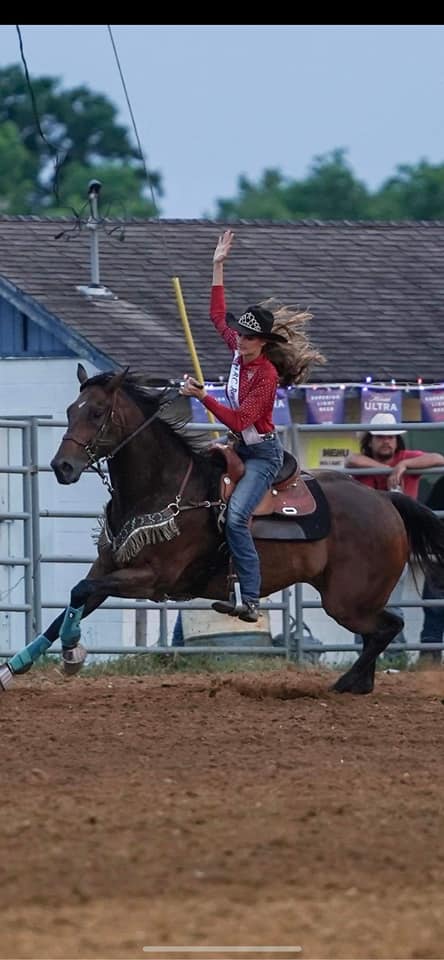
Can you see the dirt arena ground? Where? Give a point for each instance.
(222, 810)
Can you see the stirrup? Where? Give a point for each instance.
(225, 606)
(234, 602)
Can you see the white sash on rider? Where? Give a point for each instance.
(250, 434)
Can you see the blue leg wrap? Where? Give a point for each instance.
(70, 630)
(29, 654)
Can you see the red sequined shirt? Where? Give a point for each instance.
(257, 383)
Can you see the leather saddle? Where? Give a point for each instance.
(288, 498)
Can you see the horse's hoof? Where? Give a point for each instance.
(6, 677)
(73, 659)
(353, 685)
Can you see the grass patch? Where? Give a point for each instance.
(136, 665)
(155, 663)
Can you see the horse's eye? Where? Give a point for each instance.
(96, 414)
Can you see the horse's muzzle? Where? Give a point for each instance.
(65, 471)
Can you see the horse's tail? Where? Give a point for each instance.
(426, 536)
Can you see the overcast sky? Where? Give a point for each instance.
(213, 102)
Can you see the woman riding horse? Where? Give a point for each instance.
(262, 358)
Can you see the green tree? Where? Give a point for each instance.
(329, 192)
(414, 193)
(122, 192)
(80, 128)
(264, 201)
(16, 171)
(332, 192)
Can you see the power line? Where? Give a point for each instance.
(136, 133)
(58, 163)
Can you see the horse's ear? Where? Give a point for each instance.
(116, 381)
(82, 375)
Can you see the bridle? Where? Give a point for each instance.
(91, 448)
(93, 462)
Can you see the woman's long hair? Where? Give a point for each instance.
(294, 358)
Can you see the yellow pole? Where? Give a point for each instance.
(189, 336)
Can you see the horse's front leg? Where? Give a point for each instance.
(85, 597)
(89, 594)
(67, 623)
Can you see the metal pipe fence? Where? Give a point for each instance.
(294, 645)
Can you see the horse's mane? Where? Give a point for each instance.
(157, 396)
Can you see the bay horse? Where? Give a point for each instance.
(158, 471)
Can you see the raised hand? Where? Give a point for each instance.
(223, 246)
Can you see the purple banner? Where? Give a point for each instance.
(374, 401)
(324, 405)
(281, 409)
(432, 406)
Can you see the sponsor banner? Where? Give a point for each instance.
(324, 405)
(374, 402)
(432, 406)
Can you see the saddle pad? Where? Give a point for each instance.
(312, 526)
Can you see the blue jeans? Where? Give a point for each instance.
(262, 464)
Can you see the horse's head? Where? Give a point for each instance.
(94, 426)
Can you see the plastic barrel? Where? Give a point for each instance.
(210, 629)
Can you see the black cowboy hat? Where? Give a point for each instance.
(256, 322)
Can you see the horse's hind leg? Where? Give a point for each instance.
(361, 676)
